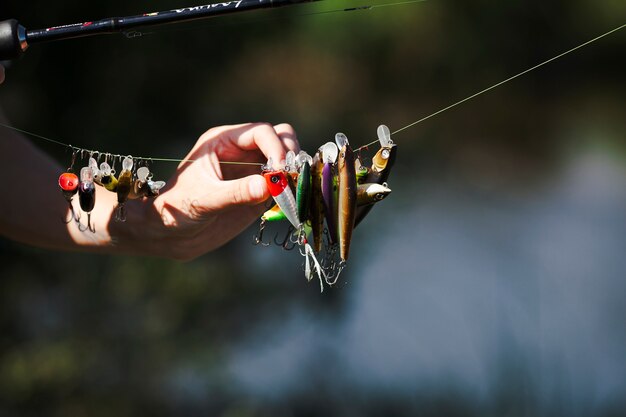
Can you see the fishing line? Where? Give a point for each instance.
(114, 155)
(132, 34)
(500, 83)
(364, 146)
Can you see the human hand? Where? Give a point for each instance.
(206, 204)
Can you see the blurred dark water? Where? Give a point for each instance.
(491, 281)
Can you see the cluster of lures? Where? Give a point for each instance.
(134, 181)
(325, 197)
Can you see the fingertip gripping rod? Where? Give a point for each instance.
(15, 39)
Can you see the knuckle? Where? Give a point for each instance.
(210, 133)
(213, 133)
(285, 128)
(263, 126)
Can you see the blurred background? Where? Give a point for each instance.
(492, 282)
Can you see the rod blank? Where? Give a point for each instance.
(15, 39)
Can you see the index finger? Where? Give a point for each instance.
(261, 136)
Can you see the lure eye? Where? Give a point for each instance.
(275, 179)
(379, 196)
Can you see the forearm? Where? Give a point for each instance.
(199, 210)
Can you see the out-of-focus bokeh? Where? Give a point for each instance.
(491, 282)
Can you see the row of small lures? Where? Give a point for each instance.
(326, 196)
(131, 184)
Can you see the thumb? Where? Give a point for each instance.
(250, 190)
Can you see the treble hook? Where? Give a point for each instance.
(73, 215)
(331, 278)
(287, 243)
(328, 259)
(258, 239)
(120, 212)
(90, 226)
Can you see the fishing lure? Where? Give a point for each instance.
(329, 154)
(154, 187)
(303, 187)
(68, 182)
(140, 186)
(368, 194)
(93, 165)
(143, 186)
(361, 171)
(278, 186)
(382, 163)
(87, 195)
(128, 186)
(346, 196)
(280, 190)
(107, 177)
(317, 205)
(274, 214)
(297, 171)
(320, 195)
(124, 185)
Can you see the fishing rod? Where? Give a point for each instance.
(15, 38)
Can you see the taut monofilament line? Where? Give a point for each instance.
(410, 125)
(498, 84)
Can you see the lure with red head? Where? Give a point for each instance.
(276, 182)
(68, 182)
(278, 186)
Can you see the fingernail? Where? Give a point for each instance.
(257, 187)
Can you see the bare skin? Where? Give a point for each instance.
(204, 205)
